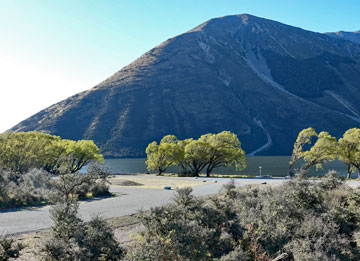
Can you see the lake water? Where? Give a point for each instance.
(274, 166)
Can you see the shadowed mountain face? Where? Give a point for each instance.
(261, 79)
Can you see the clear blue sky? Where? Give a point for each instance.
(52, 49)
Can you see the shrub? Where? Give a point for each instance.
(188, 229)
(299, 220)
(72, 239)
(29, 188)
(8, 249)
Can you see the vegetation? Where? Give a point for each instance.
(224, 149)
(31, 188)
(299, 220)
(326, 148)
(210, 151)
(72, 239)
(39, 187)
(304, 137)
(29, 161)
(8, 249)
(163, 155)
(349, 150)
(20, 152)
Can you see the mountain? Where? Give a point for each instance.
(350, 36)
(261, 79)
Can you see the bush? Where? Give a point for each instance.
(99, 242)
(8, 249)
(25, 189)
(72, 239)
(299, 220)
(40, 187)
(188, 229)
(94, 182)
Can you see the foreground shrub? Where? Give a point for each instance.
(39, 187)
(8, 249)
(72, 239)
(188, 229)
(299, 220)
(96, 183)
(31, 188)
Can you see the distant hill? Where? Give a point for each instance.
(350, 36)
(261, 79)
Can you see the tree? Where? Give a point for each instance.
(223, 149)
(22, 151)
(185, 169)
(163, 155)
(324, 149)
(348, 150)
(303, 138)
(210, 151)
(83, 152)
(196, 156)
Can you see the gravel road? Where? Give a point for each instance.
(131, 201)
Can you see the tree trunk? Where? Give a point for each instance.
(160, 172)
(348, 166)
(196, 173)
(291, 172)
(303, 171)
(208, 171)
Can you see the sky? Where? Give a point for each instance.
(53, 49)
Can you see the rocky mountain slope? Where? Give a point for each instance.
(261, 79)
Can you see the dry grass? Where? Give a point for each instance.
(155, 182)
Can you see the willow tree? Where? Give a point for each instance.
(163, 155)
(81, 152)
(22, 151)
(182, 163)
(19, 152)
(304, 137)
(223, 150)
(196, 156)
(348, 150)
(324, 149)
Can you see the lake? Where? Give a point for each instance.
(274, 166)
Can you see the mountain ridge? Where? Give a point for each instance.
(350, 36)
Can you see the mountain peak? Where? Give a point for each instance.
(258, 78)
(225, 22)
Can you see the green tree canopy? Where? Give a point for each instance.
(196, 156)
(83, 151)
(163, 155)
(223, 149)
(348, 150)
(22, 151)
(323, 150)
(210, 151)
(302, 139)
